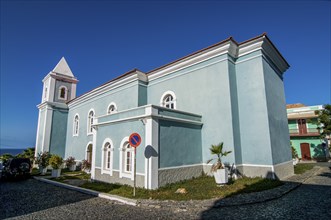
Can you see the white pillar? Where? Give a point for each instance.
(47, 128)
(151, 142)
(94, 148)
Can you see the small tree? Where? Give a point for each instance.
(324, 121)
(86, 165)
(28, 153)
(70, 161)
(218, 151)
(43, 159)
(294, 151)
(55, 161)
(5, 157)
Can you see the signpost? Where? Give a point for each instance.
(134, 141)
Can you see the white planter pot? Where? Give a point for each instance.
(72, 167)
(221, 176)
(295, 161)
(87, 170)
(56, 173)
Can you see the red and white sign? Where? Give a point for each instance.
(134, 140)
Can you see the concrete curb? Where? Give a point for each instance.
(123, 200)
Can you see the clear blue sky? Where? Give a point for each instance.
(103, 39)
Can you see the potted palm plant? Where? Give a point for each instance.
(218, 169)
(70, 163)
(56, 162)
(43, 161)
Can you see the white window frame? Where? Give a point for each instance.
(115, 108)
(105, 151)
(86, 150)
(65, 94)
(90, 122)
(123, 151)
(74, 131)
(174, 101)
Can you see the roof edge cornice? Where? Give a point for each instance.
(127, 77)
(228, 46)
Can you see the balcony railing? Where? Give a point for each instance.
(308, 132)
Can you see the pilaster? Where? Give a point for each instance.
(94, 148)
(151, 141)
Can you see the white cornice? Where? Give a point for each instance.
(60, 77)
(249, 47)
(153, 115)
(52, 104)
(227, 47)
(121, 81)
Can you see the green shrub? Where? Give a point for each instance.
(43, 159)
(55, 161)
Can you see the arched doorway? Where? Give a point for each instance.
(89, 151)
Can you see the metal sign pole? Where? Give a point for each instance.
(134, 175)
(134, 141)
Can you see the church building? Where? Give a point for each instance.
(228, 92)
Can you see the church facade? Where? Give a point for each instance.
(229, 92)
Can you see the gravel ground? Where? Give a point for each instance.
(32, 199)
(312, 200)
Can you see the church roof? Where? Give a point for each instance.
(63, 68)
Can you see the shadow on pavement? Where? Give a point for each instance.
(27, 196)
(290, 204)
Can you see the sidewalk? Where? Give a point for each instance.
(194, 205)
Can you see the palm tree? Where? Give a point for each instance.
(218, 151)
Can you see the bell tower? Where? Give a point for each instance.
(59, 87)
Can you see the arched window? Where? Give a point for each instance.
(76, 126)
(90, 120)
(63, 93)
(107, 156)
(89, 153)
(126, 159)
(111, 108)
(168, 100)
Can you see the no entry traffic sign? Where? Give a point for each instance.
(134, 140)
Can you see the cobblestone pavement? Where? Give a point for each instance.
(32, 199)
(312, 200)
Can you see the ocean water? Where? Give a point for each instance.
(12, 151)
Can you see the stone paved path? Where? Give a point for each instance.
(36, 200)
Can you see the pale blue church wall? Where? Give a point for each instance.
(235, 112)
(56, 91)
(253, 114)
(142, 94)
(117, 132)
(279, 133)
(182, 115)
(202, 89)
(40, 131)
(58, 132)
(123, 114)
(179, 144)
(125, 97)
